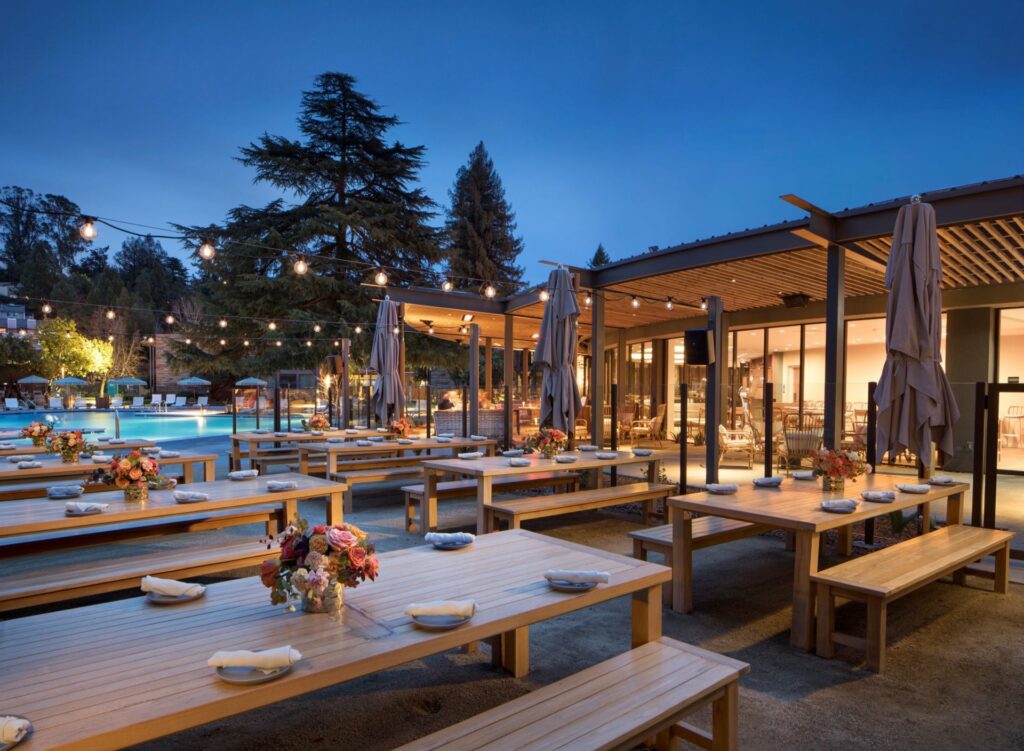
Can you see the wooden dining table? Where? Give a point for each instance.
(141, 671)
(54, 469)
(42, 515)
(485, 469)
(335, 451)
(29, 449)
(795, 506)
(248, 443)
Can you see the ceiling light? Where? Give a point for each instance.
(446, 285)
(467, 317)
(588, 300)
(703, 303)
(635, 302)
(380, 278)
(669, 304)
(87, 229)
(206, 250)
(535, 336)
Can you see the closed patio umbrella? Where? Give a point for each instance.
(556, 354)
(916, 405)
(388, 394)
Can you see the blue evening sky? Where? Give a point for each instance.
(632, 124)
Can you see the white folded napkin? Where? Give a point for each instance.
(405, 441)
(942, 480)
(722, 488)
(804, 474)
(576, 577)
(449, 537)
(565, 458)
(170, 587)
(478, 438)
(152, 449)
(471, 455)
(282, 485)
(316, 432)
(841, 504)
(190, 496)
(64, 491)
(913, 488)
(19, 458)
(364, 443)
(767, 482)
(351, 431)
(879, 496)
(4, 446)
(360, 427)
(116, 441)
(443, 439)
(266, 660)
(460, 608)
(13, 729)
(383, 430)
(642, 452)
(102, 458)
(280, 434)
(80, 507)
(376, 439)
(103, 438)
(337, 439)
(445, 435)
(261, 431)
(607, 454)
(587, 447)
(243, 474)
(518, 462)
(512, 452)
(29, 465)
(169, 454)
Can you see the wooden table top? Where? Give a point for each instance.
(293, 436)
(45, 515)
(54, 467)
(130, 443)
(796, 504)
(418, 444)
(115, 674)
(498, 466)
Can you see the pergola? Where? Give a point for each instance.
(831, 263)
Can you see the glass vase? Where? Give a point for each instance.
(330, 602)
(39, 440)
(69, 457)
(136, 493)
(832, 484)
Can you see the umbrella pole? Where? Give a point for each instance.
(234, 411)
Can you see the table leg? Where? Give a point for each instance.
(236, 455)
(335, 515)
(955, 509)
(303, 463)
(188, 472)
(254, 447)
(844, 540)
(725, 719)
(484, 497)
(515, 651)
(682, 561)
(646, 615)
(802, 633)
(210, 470)
(924, 510)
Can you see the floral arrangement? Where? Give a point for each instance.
(547, 441)
(400, 427)
(839, 465)
(133, 469)
(69, 445)
(316, 422)
(37, 431)
(315, 563)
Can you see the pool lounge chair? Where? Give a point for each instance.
(179, 403)
(56, 402)
(240, 407)
(12, 404)
(117, 402)
(81, 403)
(155, 401)
(170, 400)
(138, 402)
(203, 402)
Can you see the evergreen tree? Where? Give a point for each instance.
(40, 239)
(601, 257)
(350, 205)
(480, 238)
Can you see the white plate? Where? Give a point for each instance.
(451, 545)
(247, 676)
(470, 455)
(607, 454)
(512, 452)
(642, 452)
(440, 622)
(158, 599)
(560, 585)
(5, 746)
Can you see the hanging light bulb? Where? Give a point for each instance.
(47, 309)
(446, 285)
(337, 343)
(87, 229)
(359, 329)
(22, 332)
(300, 267)
(309, 343)
(111, 315)
(272, 326)
(222, 323)
(588, 300)
(535, 336)
(635, 302)
(278, 342)
(544, 295)
(188, 341)
(206, 250)
(430, 329)
(150, 340)
(169, 320)
(245, 343)
(317, 328)
(703, 304)
(463, 329)
(110, 337)
(669, 304)
(222, 342)
(380, 278)
(490, 291)
(395, 331)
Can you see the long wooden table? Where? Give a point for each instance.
(141, 671)
(334, 451)
(54, 469)
(254, 440)
(128, 445)
(40, 515)
(486, 469)
(794, 507)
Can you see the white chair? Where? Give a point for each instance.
(181, 402)
(736, 441)
(138, 402)
(170, 400)
(56, 403)
(116, 402)
(12, 404)
(203, 401)
(155, 401)
(263, 404)
(81, 403)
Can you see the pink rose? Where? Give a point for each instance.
(269, 570)
(339, 539)
(357, 556)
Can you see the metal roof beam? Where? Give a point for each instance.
(452, 300)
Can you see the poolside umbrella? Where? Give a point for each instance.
(33, 380)
(556, 354)
(388, 394)
(915, 402)
(256, 383)
(128, 381)
(193, 382)
(70, 381)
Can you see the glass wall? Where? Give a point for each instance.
(695, 378)
(1011, 406)
(637, 399)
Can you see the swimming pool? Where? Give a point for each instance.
(154, 427)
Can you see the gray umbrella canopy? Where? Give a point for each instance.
(250, 382)
(128, 381)
(33, 380)
(915, 402)
(556, 354)
(70, 381)
(388, 391)
(193, 381)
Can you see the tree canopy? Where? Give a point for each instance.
(63, 351)
(600, 257)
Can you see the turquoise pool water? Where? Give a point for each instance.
(155, 427)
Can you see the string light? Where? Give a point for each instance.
(463, 329)
(222, 342)
(110, 314)
(588, 301)
(430, 329)
(188, 341)
(47, 309)
(535, 336)
(395, 331)
(490, 291)
(206, 250)
(359, 329)
(169, 320)
(446, 285)
(278, 342)
(635, 302)
(245, 343)
(380, 278)
(317, 328)
(150, 340)
(544, 295)
(669, 304)
(300, 267)
(703, 303)
(272, 326)
(87, 229)
(222, 323)
(22, 332)
(337, 343)
(110, 337)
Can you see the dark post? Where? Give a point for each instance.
(871, 441)
(713, 395)
(683, 396)
(508, 416)
(330, 405)
(429, 414)
(835, 347)
(991, 457)
(465, 412)
(277, 407)
(769, 428)
(288, 408)
(978, 478)
(258, 389)
(346, 395)
(234, 410)
(615, 428)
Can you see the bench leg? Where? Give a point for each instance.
(1002, 571)
(875, 643)
(646, 615)
(645, 514)
(334, 508)
(844, 541)
(725, 717)
(826, 621)
(682, 561)
(639, 551)
(410, 513)
(347, 502)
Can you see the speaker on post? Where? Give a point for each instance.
(700, 347)
(334, 364)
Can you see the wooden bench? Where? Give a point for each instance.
(414, 494)
(348, 465)
(268, 457)
(616, 704)
(366, 476)
(518, 510)
(708, 531)
(886, 575)
(57, 584)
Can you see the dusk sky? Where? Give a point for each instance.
(631, 124)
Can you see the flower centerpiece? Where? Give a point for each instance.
(37, 431)
(316, 422)
(317, 563)
(69, 445)
(547, 441)
(400, 427)
(835, 467)
(132, 473)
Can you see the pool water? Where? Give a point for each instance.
(154, 427)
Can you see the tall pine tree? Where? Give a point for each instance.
(349, 204)
(600, 258)
(480, 242)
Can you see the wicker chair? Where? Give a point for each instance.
(737, 442)
(800, 438)
(652, 429)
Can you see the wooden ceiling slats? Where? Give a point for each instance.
(984, 245)
(1004, 237)
(971, 257)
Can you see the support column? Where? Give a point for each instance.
(597, 368)
(401, 353)
(835, 347)
(524, 374)
(343, 384)
(971, 357)
(489, 365)
(509, 369)
(474, 378)
(713, 407)
(621, 362)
